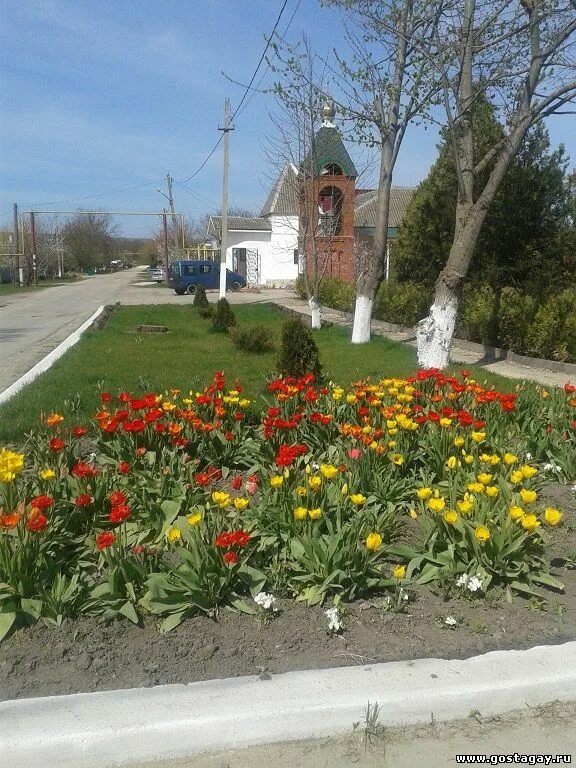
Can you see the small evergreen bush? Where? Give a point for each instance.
(477, 314)
(334, 293)
(223, 317)
(200, 298)
(552, 333)
(515, 314)
(206, 312)
(254, 338)
(401, 303)
(299, 353)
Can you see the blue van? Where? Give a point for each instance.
(184, 276)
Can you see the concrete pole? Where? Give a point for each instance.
(16, 276)
(166, 261)
(33, 244)
(224, 219)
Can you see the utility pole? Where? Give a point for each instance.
(33, 243)
(165, 227)
(16, 248)
(169, 179)
(224, 220)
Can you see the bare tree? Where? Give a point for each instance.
(292, 153)
(520, 56)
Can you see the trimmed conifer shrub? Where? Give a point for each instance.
(253, 338)
(299, 353)
(223, 317)
(200, 298)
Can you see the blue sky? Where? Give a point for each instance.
(103, 96)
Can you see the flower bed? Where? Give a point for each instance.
(189, 503)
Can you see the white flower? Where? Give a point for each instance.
(462, 581)
(403, 594)
(266, 601)
(551, 467)
(474, 584)
(528, 457)
(334, 623)
(315, 466)
(450, 621)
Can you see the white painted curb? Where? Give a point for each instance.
(49, 360)
(101, 730)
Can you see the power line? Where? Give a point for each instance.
(90, 197)
(215, 147)
(196, 195)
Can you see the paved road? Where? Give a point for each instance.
(33, 323)
(544, 730)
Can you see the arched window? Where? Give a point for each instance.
(330, 211)
(331, 169)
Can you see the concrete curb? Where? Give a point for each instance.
(102, 730)
(48, 361)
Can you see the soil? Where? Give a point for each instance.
(87, 655)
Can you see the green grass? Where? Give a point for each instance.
(117, 358)
(8, 288)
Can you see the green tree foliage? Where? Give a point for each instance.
(528, 237)
(90, 240)
(200, 298)
(299, 353)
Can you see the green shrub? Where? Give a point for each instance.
(334, 293)
(299, 354)
(515, 313)
(401, 303)
(477, 314)
(206, 312)
(200, 298)
(223, 317)
(254, 338)
(552, 333)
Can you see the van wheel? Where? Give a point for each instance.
(191, 289)
(235, 286)
(179, 291)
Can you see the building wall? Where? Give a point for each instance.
(253, 241)
(279, 266)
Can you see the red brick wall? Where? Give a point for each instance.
(337, 250)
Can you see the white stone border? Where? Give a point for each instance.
(113, 728)
(49, 360)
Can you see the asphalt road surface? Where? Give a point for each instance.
(33, 323)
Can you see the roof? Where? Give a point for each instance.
(365, 207)
(283, 198)
(238, 223)
(329, 148)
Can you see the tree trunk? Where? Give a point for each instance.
(315, 312)
(434, 333)
(362, 318)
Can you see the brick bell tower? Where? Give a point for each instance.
(328, 204)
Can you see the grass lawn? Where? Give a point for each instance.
(117, 358)
(8, 288)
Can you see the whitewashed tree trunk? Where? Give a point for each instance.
(315, 312)
(434, 333)
(362, 319)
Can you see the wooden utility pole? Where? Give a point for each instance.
(165, 227)
(16, 276)
(224, 219)
(169, 180)
(33, 244)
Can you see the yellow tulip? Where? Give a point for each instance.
(530, 523)
(482, 534)
(241, 503)
(484, 478)
(300, 490)
(436, 503)
(424, 493)
(300, 513)
(358, 499)
(221, 498)
(465, 506)
(458, 442)
(314, 514)
(552, 516)
(478, 437)
(452, 462)
(194, 519)
(516, 513)
(47, 474)
(315, 481)
(373, 541)
(173, 534)
(398, 459)
(516, 477)
(399, 572)
(492, 491)
(450, 516)
(475, 487)
(344, 489)
(509, 458)
(527, 496)
(328, 471)
(528, 472)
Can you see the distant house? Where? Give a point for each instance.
(264, 249)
